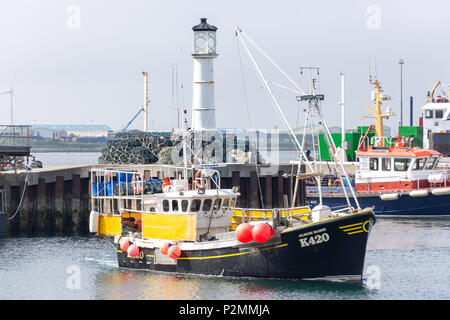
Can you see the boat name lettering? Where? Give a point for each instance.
(312, 232)
(313, 240)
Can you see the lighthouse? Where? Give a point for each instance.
(203, 108)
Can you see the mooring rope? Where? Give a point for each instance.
(23, 194)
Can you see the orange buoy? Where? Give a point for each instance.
(133, 250)
(124, 244)
(164, 248)
(166, 182)
(261, 232)
(174, 252)
(244, 232)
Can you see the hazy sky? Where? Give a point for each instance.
(79, 62)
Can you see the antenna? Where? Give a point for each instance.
(175, 100)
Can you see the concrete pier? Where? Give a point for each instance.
(56, 200)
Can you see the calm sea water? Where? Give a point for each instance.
(406, 259)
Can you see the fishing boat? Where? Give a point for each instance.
(180, 220)
(393, 176)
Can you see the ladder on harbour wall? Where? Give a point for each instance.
(3, 206)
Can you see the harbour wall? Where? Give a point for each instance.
(56, 200)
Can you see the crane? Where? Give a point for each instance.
(430, 94)
(132, 119)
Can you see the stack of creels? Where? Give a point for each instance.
(135, 147)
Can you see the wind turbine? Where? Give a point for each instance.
(12, 97)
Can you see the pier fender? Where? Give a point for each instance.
(389, 196)
(244, 232)
(174, 251)
(93, 221)
(262, 232)
(418, 193)
(440, 191)
(320, 212)
(133, 251)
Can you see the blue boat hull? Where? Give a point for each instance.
(405, 205)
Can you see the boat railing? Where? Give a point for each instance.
(241, 215)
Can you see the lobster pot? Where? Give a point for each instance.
(135, 147)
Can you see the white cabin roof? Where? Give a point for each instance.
(436, 106)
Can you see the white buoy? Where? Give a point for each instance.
(389, 196)
(440, 191)
(418, 193)
(93, 221)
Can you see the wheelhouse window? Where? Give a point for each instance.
(226, 202)
(165, 204)
(439, 114)
(195, 205)
(401, 164)
(207, 205)
(431, 163)
(429, 114)
(184, 205)
(386, 164)
(174, 205)
(419, 163)
(373, 164)
(217, 204)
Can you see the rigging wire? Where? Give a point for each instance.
(249, 120)
(23, 194)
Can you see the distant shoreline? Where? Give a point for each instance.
(40, 150)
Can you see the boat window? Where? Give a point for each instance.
(195, 205)
(217, 204)
(401, 164)
(232, 203)
(418, 165)
(373, 164)
(386, 164)
(428, 114)
(226, 201)
(207, 205)
(439, 114)
(165, 205)
(431, 162)
(174, 205)
(184, 205)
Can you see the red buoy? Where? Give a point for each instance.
(262, 232)
(244, 232)
(164, 248)
(124, 244)
(174, 252)
(133, 250)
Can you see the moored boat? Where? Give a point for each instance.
(393, 176)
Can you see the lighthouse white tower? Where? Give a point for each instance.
(203, 108)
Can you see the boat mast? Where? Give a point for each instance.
(378, 99)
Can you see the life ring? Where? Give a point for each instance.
(197, 179)
(337, 182)
(136, 183)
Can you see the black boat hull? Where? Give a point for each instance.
(331, 249)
